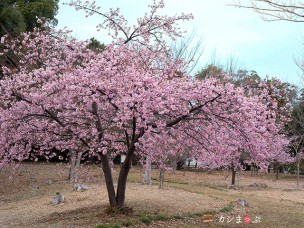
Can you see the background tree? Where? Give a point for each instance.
(95, 45)
(11, 19)
(31, 9)
(211, 71)
(189, 50)
(19, 16)
(296, 131)
(283, 93)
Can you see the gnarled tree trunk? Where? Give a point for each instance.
(109, 180)
(123, 175)
(118, 199)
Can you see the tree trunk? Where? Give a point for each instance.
(254, 171)
(161, 178)
(189, 164)
(79, 155)
(72, 171)
(109, 180)
(148, 171)
(122, 179)
(298, 174)
(233, 177)
(277, 175)
(174, 165)
(75, 160)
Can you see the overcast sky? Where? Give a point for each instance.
(267, 47)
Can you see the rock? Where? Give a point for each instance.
(80, 187)
(254, 185)
(57, 199)
(49, 182)
(242, 202)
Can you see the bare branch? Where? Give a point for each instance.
(275, 10)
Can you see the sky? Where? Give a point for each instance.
(226, 32)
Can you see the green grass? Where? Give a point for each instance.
(108, 226)
(210, 212)
(147, 219)
(123, 223)
(227, 208)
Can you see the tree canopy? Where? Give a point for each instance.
(18, 15)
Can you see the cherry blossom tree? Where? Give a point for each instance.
(131, 98)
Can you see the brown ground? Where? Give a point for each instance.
(25, 200)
